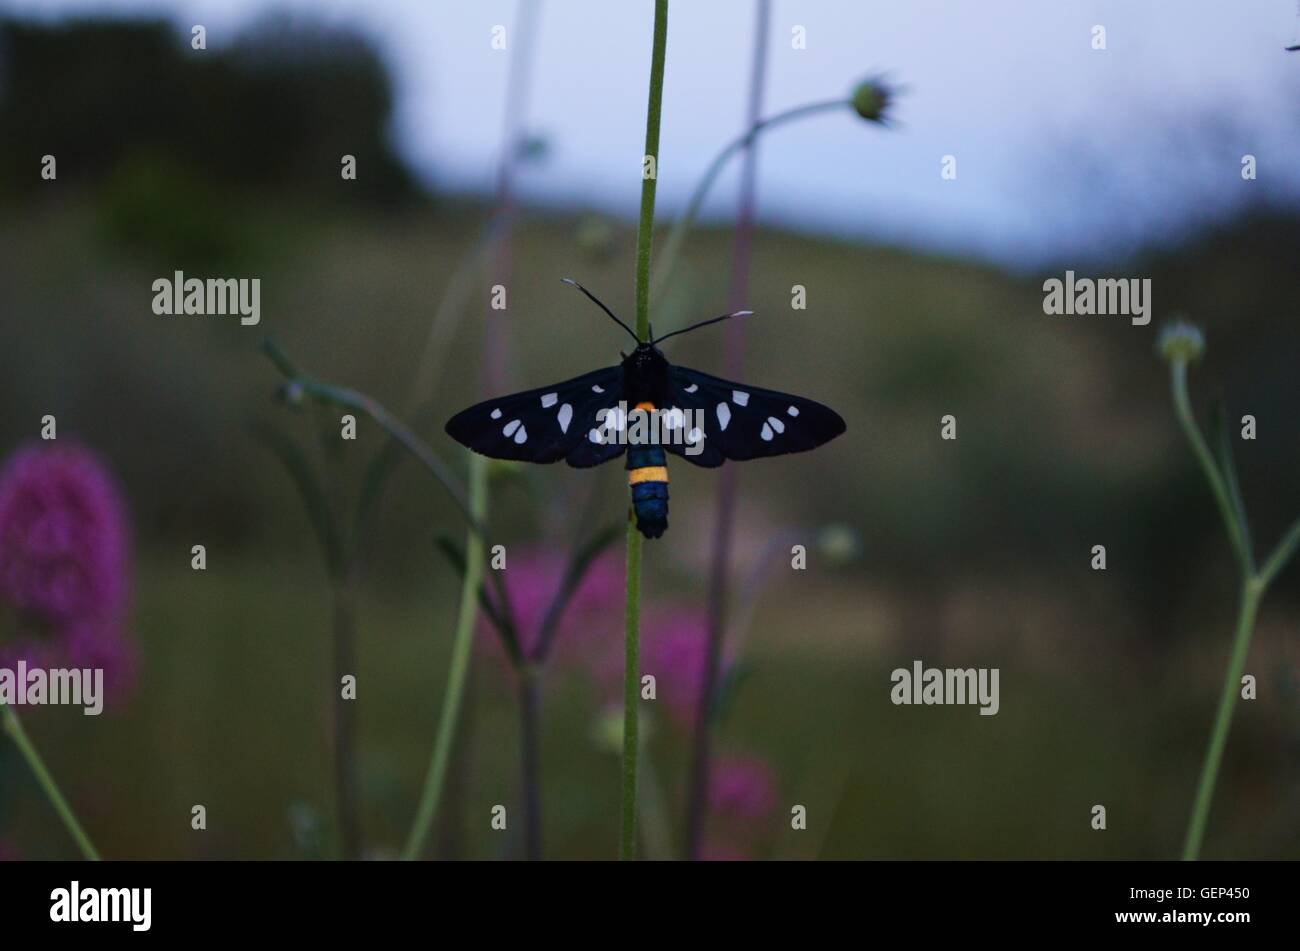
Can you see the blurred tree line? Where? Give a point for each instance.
(167, 134)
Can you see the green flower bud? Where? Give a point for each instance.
(872, 99)
(1181, 341)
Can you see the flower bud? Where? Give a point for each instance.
(1181, 341)
(872, 99)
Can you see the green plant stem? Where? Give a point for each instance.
(460, 656)
(13, 726)
(1183, 409)
(346, 780)
(1252, 590)
(1253, 585)
(530, 752)
(351, 399)
(631, 691)
(1281, 555)
(682, 226)
(646, 220)
(632, 614)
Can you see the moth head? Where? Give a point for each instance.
(646, 356)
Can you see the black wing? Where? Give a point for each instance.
(546, 424)
(744, 422)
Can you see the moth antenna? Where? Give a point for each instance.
(705, 323)
(596, 300)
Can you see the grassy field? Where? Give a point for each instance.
(974, 552)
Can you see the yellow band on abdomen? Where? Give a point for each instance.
(647, 474)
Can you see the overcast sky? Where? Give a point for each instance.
(1060, 148)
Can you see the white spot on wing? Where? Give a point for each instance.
(549, 400)
(776, 424)
(496, 414)
(694, 437)
(766, 433)
(793, 411)
(724, 415)
(595, 388)
(565, 416)
(510, 428)
(692, 388)
(595, 436)
(674, 418)
(520, 435)
(740, 397)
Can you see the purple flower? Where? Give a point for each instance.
(100, 644)
(742, 787)
(590, 619)
(63, 544)
(64, 556)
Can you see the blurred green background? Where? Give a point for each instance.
(973, 553)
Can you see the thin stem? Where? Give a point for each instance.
(530, 703)
(460, 656)
(632, 614)
(580, 563)
(351, 399)
(345, 721)
(631, 691)
(720, 569)
(1228, 467)
(13, 726)
(1281, 554)
(646, 221)
(1183, 409)
(682, 226)
(1251, 592)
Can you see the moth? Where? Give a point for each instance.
(645, 407)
